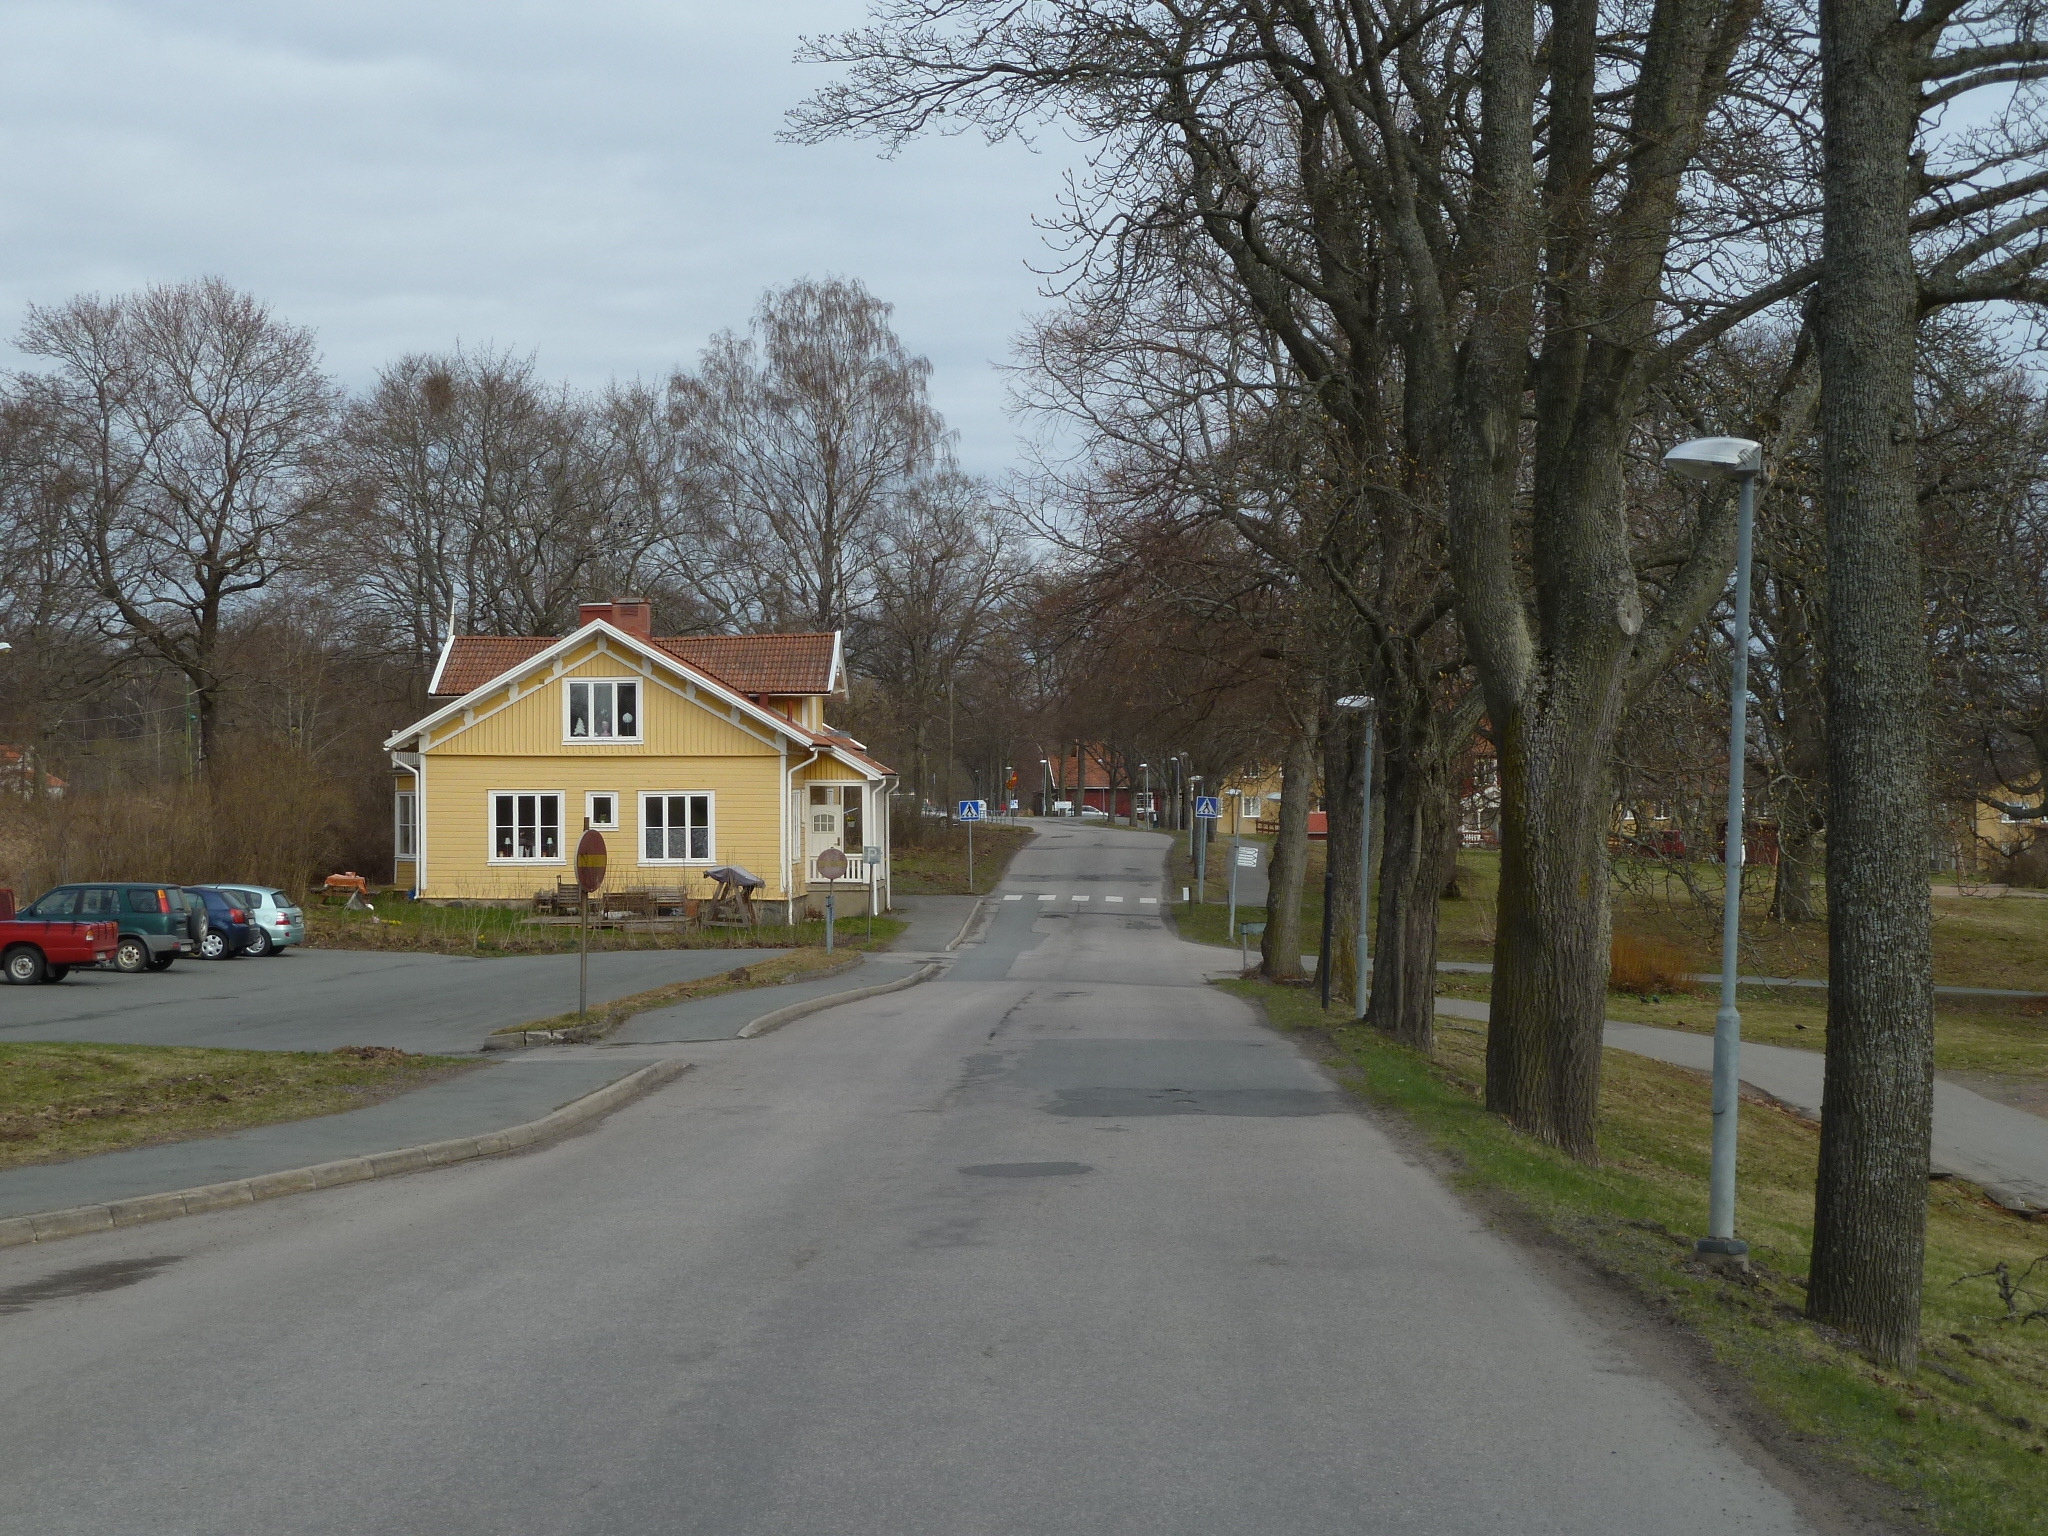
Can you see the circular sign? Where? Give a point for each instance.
(590, 861)
(832, 864)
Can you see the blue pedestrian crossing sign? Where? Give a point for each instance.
(1206, 807)
(973, 810)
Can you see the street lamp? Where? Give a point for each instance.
(1714, 459)
(1151, 817)
(1046, 764)
(1364, 701)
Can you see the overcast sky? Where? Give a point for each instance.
(594, 181)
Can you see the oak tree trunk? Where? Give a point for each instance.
(1280, 946)
(1420, 829)
(1343, 783)
(1870, 1199)
(1551, 942)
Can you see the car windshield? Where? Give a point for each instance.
(56, 904)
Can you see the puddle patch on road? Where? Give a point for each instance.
(1119, 1103)
(87, 1280)
(1026, 1170)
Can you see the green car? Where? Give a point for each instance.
(158, 923)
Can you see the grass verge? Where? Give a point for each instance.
(61, 1101)
(421, 928)
(937, 864)
(803, 965)
(1962, 1440)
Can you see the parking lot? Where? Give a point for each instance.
(317, 999)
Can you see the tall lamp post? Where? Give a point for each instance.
(1151, 817)
(1715, 459)
(1364, 701)
(1046, 764)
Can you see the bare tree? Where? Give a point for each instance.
(194, 431)
(805, 432)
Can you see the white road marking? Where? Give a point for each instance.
(1112, 898)
(1148, 901)
(1046, 897)
(1080, 898)
(1013, 898)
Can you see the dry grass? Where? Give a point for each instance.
(936, 863)
(61, 1101)
(804, 965)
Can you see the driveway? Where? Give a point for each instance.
(317, 999)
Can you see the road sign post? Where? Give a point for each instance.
(1206, 812)
(832, 865)
(871, 855)
(590, 866)
(972, 811)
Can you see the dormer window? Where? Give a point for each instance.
(603, 711)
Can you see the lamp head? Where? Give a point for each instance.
(1355, 701)
(1716, 458)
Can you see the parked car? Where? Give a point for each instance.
(1094, 813)
(156, 923)
(275, 921)
(227, 929)
(37, 949)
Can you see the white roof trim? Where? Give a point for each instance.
(835, 678)
(704, 681)
(441, 664)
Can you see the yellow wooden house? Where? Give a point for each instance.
(686, 752)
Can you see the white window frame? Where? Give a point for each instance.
(405, 825)
(616, 824)
(710, 799)
(639, 684)
(561, 798)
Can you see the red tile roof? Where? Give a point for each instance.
(473, 660)
(754, 664)
(761, 664)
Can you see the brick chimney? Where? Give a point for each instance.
(634, 615)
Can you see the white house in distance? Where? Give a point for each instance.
(687, 752)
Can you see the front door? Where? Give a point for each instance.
(823, 824)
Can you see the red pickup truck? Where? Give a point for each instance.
(34, 949)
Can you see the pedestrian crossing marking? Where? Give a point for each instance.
(1046, 897)
(1080, 898)
(1148, 901)
(1013, 898)
(1112, 898)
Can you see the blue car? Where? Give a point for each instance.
(228, 929)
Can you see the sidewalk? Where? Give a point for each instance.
(1975, 1138)
(513, 1088)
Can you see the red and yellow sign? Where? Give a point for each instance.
(590, 861)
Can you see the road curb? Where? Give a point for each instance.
(795, 1011)
(75, 1221)
(980, 906)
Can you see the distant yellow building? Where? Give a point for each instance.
(687, 753)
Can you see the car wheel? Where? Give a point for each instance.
(56, 973)
(162, 962)
(132, 957)
(22, 966)
(214, 946)
(259, 942)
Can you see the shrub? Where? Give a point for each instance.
(1647, 966)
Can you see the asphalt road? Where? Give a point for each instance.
(1062, 1241)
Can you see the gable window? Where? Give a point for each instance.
(675, 829)
(602, 811)
(526, 827)
(405, 828)
(603, 711)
